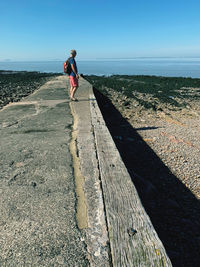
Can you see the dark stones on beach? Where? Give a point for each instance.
(16, 85)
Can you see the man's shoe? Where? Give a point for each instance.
(73, 99)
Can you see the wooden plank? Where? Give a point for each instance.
(124, 210)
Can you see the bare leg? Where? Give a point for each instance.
(72, 93)
(71, 90)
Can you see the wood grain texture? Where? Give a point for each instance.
(124, 210)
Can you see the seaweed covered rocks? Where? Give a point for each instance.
(14, 85)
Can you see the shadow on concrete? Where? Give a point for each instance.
(172, 208)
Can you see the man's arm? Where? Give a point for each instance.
(73, 69)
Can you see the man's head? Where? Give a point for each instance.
(73, 53)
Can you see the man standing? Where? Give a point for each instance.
(73, 76)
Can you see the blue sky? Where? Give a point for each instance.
(48, 29)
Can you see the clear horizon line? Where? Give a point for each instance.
(93, 59)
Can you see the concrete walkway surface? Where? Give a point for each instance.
(37, 192)
(66, 198)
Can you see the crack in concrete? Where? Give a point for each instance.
(81, 212)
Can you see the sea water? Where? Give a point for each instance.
(171, 67)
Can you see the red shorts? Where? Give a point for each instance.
(73, 81)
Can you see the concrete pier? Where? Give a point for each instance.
(66, 198)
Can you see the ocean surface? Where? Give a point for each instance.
(171, 67)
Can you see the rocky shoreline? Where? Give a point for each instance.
(160, 147)
(14, 85)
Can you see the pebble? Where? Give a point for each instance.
(33, 184)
